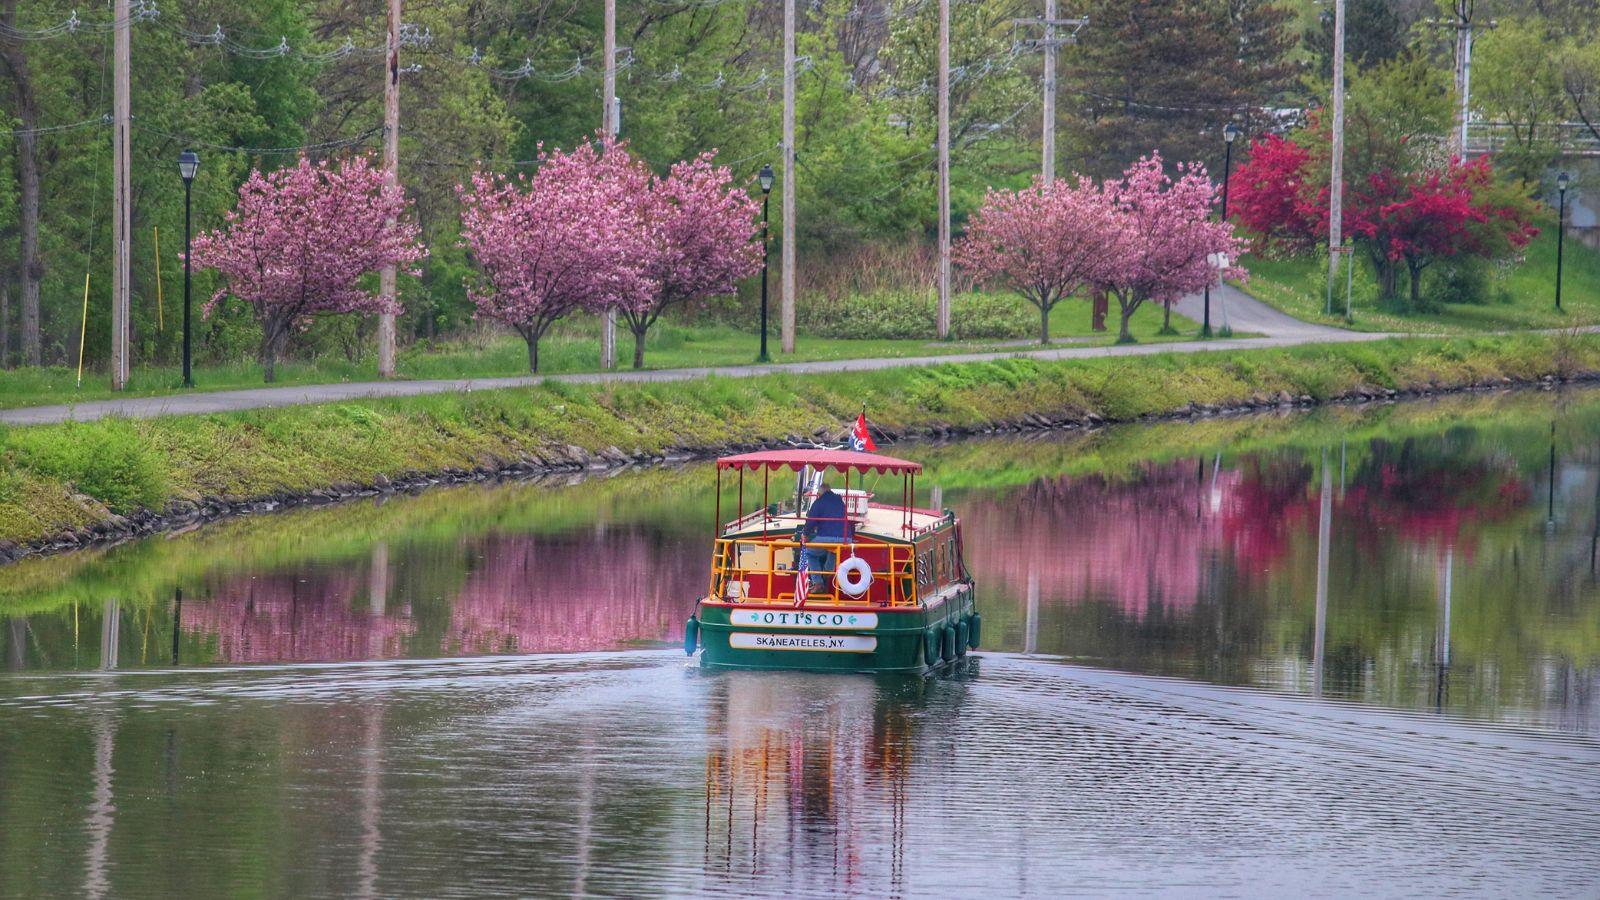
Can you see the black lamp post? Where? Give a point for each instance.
(765, 178)
(1230, 133)
(188, 165)
(1562, 181)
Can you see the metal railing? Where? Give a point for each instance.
(776, 562)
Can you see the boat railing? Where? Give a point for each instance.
(765, 570)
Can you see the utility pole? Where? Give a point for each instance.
(1336, 185)
(944, 169)
(1052, 40)
(788, 178)
(121, 206)
(608, 128)
(1047, 133)
(391, 178)
(1463, 26)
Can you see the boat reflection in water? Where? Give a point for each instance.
(807, 777)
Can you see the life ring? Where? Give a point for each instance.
(853, 576)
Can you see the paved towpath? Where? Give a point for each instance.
(1245, 314)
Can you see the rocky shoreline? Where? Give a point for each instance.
(183, 514)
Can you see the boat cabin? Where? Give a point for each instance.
(857, 550)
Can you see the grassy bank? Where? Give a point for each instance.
(1517, 296)
(574, 348)
(71, 476)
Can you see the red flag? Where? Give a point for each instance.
(860, 437)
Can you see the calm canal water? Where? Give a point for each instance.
(1348, 651)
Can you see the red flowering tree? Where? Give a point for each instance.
(300, 241)
(1436, 214)
(1401, 216)
(705, 242)
(1269, 196)
(1045, 242)
(574, 236)
(1165, 243)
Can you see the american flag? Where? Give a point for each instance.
(802, 578)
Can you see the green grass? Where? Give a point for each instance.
(1298, 286)
(59, 477)
(574, 349)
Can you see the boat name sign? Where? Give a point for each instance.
(773, 618)
(827, 643)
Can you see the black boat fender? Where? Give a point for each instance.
(691, 635)
(963, 634)
(931, 642)
(973, 630)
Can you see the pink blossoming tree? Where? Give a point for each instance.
(573, 236)
(705, 241)
(1164, 243)
(301, 240)
(1045, 242)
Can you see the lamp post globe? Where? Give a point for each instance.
(188, 167)
(1563, 181)
(765, 178)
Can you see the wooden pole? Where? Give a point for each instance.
(944, 169)
(1047, 135)
(608, 127)
(1336, 184)
(787, 316)
(121, 207)
(391, 178)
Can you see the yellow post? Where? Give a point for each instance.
(161, 324)
(83, 333)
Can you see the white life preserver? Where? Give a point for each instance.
(854, 576)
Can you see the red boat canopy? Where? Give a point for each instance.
(842, 460)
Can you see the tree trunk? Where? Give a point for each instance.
(16, 62)
(1416, 285)
(1044, 324)
(1166, 318)
(533, 351)
(1125, 336)
(638, 348)
(1102, 307)
(273, 338)
(1387, 275)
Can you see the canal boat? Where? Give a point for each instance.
(821, 575)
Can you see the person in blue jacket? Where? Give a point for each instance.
(826, 523)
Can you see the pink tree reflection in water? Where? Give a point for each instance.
(594, 590)
(576, 592)
(1137, 543)
(322, 615)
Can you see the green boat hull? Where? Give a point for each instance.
(829, 640)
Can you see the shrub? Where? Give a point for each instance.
(1461, 280)
(108, 460)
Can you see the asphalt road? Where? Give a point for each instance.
(1244, 313)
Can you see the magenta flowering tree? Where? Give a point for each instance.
(573, 236)
(705, 241)
(1164, 243)
(300, 241)
(1045, 242)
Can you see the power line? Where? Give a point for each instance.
(317, 147)
(52, 129)
(139, 11)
